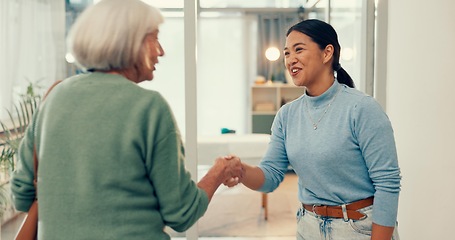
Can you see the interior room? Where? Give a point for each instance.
(224, 78)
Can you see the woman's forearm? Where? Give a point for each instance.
(381, 232)
(253, 177)
(210, 183)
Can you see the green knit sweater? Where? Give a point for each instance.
(111, 164)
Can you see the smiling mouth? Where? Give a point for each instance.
(294, 71)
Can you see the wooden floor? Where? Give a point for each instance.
(238, 212)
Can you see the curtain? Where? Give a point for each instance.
(28, 48)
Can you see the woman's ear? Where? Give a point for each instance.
(328, 53)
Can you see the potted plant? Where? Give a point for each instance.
(11, 133)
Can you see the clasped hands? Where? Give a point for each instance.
(232, 170)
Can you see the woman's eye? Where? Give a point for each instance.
(286, 53)
(298, 49)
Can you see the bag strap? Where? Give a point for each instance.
(35, 156)
(50, 88)
(35, 167)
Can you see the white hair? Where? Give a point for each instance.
(109, 34)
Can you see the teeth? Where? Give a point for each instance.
(294, 70)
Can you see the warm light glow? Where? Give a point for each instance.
(69, 58)
(272, 53)
(347, 54)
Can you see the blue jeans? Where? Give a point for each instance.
(314, 227)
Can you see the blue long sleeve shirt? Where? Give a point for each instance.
(351, 155)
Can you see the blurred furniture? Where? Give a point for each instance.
(249, 147)
(266, 100)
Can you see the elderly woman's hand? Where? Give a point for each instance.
(234, 172)
(228, 169)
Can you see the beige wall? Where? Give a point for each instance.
(421, 106)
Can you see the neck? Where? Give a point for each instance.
(320, 86)
(127, 73)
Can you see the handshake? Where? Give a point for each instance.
(227, 170)
(231, 170)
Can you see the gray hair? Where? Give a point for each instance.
(109, 35)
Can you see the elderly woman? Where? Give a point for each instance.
(111, 159)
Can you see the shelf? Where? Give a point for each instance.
(266, 99)
(263, 112)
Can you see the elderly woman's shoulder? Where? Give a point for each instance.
(147, 95)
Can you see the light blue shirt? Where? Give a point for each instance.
(350, 156)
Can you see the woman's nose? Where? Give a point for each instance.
(160, 50)
(291, 60)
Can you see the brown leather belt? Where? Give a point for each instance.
(337, 211)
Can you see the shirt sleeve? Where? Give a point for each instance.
(22, 186)
(376, 141)
(275, 163)
(181, 202)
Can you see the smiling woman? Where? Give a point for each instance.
(303, 137)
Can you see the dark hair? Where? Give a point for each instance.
(323, 34)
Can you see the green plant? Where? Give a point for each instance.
(4, 199)
(11, 133)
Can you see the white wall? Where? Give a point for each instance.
(421, 106)
(223, 72)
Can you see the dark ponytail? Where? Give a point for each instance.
(324, 34)
(344, 78)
